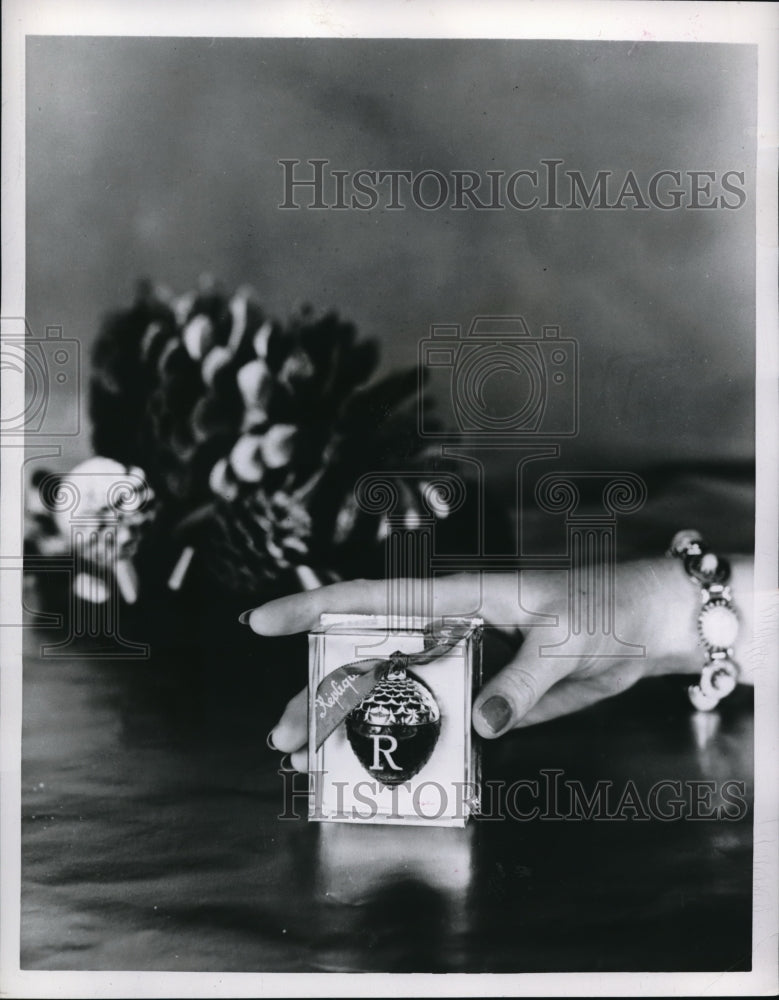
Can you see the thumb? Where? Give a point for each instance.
(509, 695)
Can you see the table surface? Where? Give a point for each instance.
(151, 841)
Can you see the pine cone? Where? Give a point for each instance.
(253, 433)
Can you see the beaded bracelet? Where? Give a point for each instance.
(717, 620)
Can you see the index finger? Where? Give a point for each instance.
(300, 612)
(463, 594)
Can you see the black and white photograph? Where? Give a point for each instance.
(389, 456)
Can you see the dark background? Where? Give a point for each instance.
(159, 157)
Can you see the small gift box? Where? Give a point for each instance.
(390, 738)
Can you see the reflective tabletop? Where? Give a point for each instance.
(152, 838)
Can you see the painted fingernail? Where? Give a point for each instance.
(269, 742)
(244, 617)
(496, 712)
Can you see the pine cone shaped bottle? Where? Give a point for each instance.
(394, 730)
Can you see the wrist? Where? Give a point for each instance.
(671, 603)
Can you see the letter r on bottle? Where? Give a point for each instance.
(384, 751)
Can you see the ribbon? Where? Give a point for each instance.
(345, 687)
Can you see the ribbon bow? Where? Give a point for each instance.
(345, 687)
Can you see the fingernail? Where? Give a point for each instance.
(244, 617)
(496, 712)
(269, 742)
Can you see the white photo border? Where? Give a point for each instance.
(724, 22)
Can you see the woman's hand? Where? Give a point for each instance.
(653, 608)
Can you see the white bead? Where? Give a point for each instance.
(703, 702)
(718, 679)
(718, 626)
(723, 682)
(709, 562)
(685, 539)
